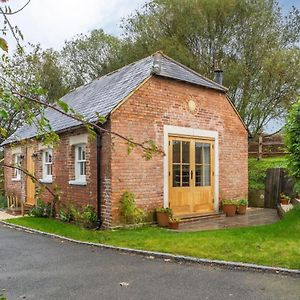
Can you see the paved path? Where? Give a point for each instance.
(254, 216)
(38, 267)
(5, 216)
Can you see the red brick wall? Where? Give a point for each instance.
(63, 172)
(162, 102)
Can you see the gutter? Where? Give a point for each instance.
(98, 159)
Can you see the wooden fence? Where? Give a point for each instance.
(266, 146)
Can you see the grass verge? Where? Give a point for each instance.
(275, 245)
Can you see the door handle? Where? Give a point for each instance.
(191, 174)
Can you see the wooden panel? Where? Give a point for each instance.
(30, 186)
(190, 199)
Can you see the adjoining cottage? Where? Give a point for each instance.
(189, 116)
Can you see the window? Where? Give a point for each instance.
(47, 165)
(80, 162)
(17, 161)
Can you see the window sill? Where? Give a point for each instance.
(77, 182)
(16, 179)
(46, 180)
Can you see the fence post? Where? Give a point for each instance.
(260, 147)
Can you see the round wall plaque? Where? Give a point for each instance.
(192, 106)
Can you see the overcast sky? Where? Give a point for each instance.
(50, 22)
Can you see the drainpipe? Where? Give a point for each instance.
(98, 152)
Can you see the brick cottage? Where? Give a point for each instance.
(187, 115)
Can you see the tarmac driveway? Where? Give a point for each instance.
(37, 267)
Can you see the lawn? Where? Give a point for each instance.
(277, 244)
(258, 170)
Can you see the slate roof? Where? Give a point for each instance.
(102, 95)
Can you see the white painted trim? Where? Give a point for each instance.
(77, 182)
(78, 139)
(41, 147)
(16, 150)
(193, 132)
(46, 180)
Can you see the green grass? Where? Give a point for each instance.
(258, 170)
(276, 244)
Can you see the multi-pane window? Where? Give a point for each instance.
(181, 163)
(202, 164)
(17, 162)
(80, 162)
(47, 164)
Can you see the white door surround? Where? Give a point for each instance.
(192, 132)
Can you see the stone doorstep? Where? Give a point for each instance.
(176, 258)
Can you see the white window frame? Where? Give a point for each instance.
(80, 179)
(17, 161)
(47, 178)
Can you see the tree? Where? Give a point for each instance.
(253, 41)
(88, 56)
(32, 70)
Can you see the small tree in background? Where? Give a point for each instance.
(292, 143)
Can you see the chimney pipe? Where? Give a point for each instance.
(219, 76)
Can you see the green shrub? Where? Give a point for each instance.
(167, 210)
(128, 210)
(3, 202)
(66, 213)
(292, 144)
(230, 202)
(41, 210)
(242, 202)
(88, 216)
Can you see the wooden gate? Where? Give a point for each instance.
(277, 181)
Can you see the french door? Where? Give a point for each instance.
(191, 176)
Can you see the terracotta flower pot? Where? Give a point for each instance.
(162, 219)
(284, 201)
(229, 210)
(173, 225)
(242, 209)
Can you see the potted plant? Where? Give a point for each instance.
(174, 223)
(163, 215)
(242, 206)
(284, 199)
(229, 207)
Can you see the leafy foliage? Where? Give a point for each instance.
(292, 143)
(128, 210)
(41, 210)
(3, 202)
(258, 170)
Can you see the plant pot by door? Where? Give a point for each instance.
(229, 210)
(284, 201)
(162, 219)
(242, 209)
(173, 225)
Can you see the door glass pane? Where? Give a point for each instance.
(185, 175)
(198, 175)
(176, 152)
(206, 175)
(206, 149)
(176, 175)
(185, 152)
(198, 153)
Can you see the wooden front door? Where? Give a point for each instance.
(191, 180)
(30, 186)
